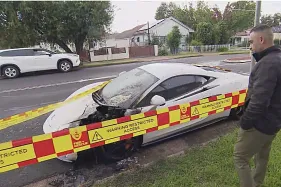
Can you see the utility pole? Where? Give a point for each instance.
(148, 33)
(257, 21)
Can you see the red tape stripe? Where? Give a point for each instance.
(28, 162)
(24, 141)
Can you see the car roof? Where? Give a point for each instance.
(17, 49)
(166, 70)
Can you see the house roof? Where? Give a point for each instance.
(276, 29)
(154, 23)
(141, 28)
(128, 33)
(243, 33)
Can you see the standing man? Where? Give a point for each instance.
(261, 119)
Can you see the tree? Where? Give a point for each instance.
(237, 16)
(173, 39)
(165, 10)
(223, 32)
(205, 32)
(60, 22)
(270, 20)
(12, 32)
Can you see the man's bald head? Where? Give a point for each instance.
(261, 37)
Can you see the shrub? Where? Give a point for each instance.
(196, 43)
(222, 49)
(162, 52)
(277, 42)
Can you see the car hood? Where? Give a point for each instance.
(67, 115)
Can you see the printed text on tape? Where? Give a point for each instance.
(129, 127)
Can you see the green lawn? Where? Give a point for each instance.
(208, 166)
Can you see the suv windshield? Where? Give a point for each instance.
(125, 89)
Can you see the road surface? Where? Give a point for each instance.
(34, 90)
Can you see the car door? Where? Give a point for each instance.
(23, 58)
(44, 59)
(174, 90)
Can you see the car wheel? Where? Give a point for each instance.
(120, 150)
(10, 72)
(65, 66)
(236, 113)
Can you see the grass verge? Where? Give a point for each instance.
(109, 62)
(207, 166)
(158, 58)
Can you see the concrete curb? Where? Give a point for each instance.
(236, 61)
(137, 61)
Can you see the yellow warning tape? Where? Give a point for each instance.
(20, 153)
(31, 114)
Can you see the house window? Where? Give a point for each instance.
(138, 39)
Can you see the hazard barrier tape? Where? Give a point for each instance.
(19, 153)
(31, 114)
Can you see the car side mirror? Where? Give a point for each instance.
(157, 100)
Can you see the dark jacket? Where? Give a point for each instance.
(262, 109)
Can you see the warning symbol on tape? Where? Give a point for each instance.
(195, 112)
(97, 137)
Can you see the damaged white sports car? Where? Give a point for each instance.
(142, 89)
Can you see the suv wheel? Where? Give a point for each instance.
(65, 66)
(10, 72)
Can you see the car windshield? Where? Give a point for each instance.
(125, 89)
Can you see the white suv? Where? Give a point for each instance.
(13, 62)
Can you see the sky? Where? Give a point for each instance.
(130, 13)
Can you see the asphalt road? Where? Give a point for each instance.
(38, 89)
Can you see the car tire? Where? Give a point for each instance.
(65, 66)
(236, 113)
(10, 72)
(120, 150)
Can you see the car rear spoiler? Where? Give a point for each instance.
(215, 67)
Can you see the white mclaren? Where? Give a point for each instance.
(145, 88)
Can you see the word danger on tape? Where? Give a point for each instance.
(25, 116)
(24, 152)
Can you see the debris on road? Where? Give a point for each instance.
(126, 163)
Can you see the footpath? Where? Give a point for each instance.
(159, 58)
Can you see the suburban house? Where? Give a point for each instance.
(140, 34)
(242, 38)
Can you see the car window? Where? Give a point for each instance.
(174, 87)
(14, 53)
(43, 52)
(40, 52)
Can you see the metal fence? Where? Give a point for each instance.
(205, 48)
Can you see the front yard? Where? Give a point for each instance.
(207, 166)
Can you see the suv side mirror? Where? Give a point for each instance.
(157, 100)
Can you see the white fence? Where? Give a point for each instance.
(205, 48)
(109, 54)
